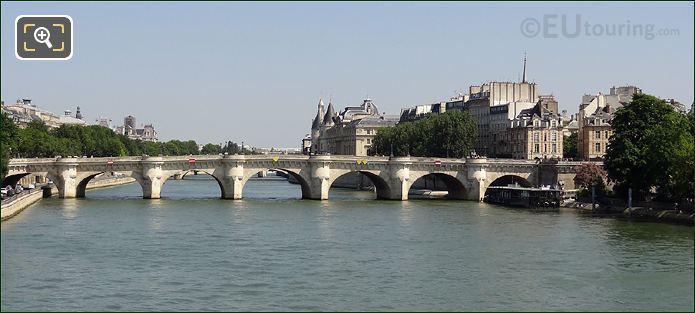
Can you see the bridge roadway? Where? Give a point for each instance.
(466, 179)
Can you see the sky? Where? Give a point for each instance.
(254, 72)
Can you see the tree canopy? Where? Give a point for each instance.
(569, 146)
(451, 134)
(37, 140)
(8, 141)
(652, 148)
(589, 174)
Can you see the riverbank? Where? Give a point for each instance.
(636, 213)
(11, 208)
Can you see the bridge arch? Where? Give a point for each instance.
(13, 179)
(511, 179)
(195, 172)
(381, 185)
(184, 173)
(298, 175)
(455, 187)
(82, 184)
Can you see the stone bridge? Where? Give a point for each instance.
(392, 177)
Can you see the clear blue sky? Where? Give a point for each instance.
(255, 71)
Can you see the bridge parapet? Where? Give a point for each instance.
(392, 176)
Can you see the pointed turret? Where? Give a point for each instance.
(319, 116)
(330, 113)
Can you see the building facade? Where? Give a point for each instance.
(349, 132)
(494, 105)
(595, 115)
(536, 133)
(23, 111)
(146, 133)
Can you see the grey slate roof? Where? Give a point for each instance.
(330, 113)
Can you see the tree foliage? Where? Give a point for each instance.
(451, 134)
(651, 148)
(8, 142)
(37, 140)
(589, 174)
(211, 149)
(569, 146)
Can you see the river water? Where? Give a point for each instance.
(272, 251)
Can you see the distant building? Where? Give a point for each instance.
(67, 118)
(677, 106)
(306, 144)
(275, 151)
(350, 132)
(422, 111)
(594, 118)
(493, 105)
(569, 124)
(23, 111)
(536, 133)
(147, 133)
(104, 122)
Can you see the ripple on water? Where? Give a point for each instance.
(117, 252)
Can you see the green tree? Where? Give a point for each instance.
(211, 149)
(590, 174)
(451, 134)
(8, 142)
(650, 148)
(569, 146)
(36, 141)
(678, 151)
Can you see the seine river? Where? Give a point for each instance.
(272, 251)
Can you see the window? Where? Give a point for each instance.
(536, 136)
(554, 148)
(607, 135)
(537, 148)
(598, 134)
(554, 136)
(597, 148)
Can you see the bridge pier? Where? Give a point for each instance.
(476, 177)
(231, 187)
(66, 178)
(400, 178)
(232, 178)
(153, 178)
(320, 177)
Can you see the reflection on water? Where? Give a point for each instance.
(191, 250)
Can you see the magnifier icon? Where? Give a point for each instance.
(42, 35)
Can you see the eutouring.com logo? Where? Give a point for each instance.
(574, 26)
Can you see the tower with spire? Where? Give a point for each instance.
(523, 77)
(316, 126)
